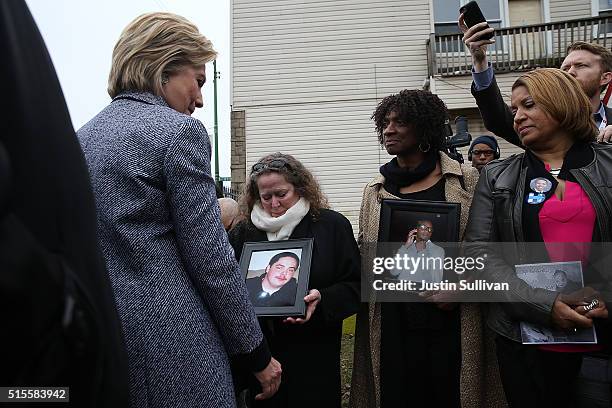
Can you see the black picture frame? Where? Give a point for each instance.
(397, 217)
(253, 258)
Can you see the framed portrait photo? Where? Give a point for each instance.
(414, 229)
(399, 217)
(276, 274)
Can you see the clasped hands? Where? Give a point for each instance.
(572, 311)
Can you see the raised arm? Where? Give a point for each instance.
(496, 115)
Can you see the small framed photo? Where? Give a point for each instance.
(417, 228)
(399, 217)
(276, 274)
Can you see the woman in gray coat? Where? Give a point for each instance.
(178, 289)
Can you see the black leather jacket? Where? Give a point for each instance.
(496, 216)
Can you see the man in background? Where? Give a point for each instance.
(590, 64)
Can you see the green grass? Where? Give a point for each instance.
(346, 357)
(348, 326)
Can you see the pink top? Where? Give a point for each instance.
(570, 221)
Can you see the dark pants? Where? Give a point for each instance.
(419, 367)
(536, 378)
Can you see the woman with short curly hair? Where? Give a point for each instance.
(416, 354)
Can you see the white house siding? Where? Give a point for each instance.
(335, 140)
(455, 91)
(308, 75)
(569, 9)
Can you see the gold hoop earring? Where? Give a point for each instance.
(424, 150)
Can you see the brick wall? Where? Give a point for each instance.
(238, 150)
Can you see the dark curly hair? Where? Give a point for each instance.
(296, 173)
(423, 109)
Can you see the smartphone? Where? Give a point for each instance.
(472, 16)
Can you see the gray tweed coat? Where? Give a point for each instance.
(182, 302)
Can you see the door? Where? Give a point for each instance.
(530, 43)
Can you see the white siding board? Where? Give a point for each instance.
(308, 75)
(319, 34)
(290, 8)
(342, 151)
(250, 53)
(569, 9)
(318, 20)
(456, 93)
(315, 51)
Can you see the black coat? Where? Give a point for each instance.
(50, 230)
(310, 353)
(285, 296)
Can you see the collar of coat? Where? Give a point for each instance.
(140, 96)
(447, 165)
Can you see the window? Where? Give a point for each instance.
(445, 19)
(605, 6)
(605, 10)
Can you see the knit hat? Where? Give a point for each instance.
(488, 140)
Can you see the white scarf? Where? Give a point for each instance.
(279, 228)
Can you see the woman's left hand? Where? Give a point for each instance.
(312, 299)
(598, 312)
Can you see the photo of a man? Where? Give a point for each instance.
(277, 286)
(563, 284)
(418, 244)
(540, 185)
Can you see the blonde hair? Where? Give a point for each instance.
(560, 95)
(152, 46)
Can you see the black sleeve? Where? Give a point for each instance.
(236, 237)
(256, 360)
(496, 115)
(342, 299)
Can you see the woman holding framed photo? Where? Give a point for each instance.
(417, 354)
(282, 200)
(557, 193)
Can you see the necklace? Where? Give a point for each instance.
(555, 172)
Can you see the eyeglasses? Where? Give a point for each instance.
(487, 153)
(275, 164)
(425, 228)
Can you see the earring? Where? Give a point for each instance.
(424, 150)
(165, 79)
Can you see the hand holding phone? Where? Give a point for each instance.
(411, 237)
(472, 15)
